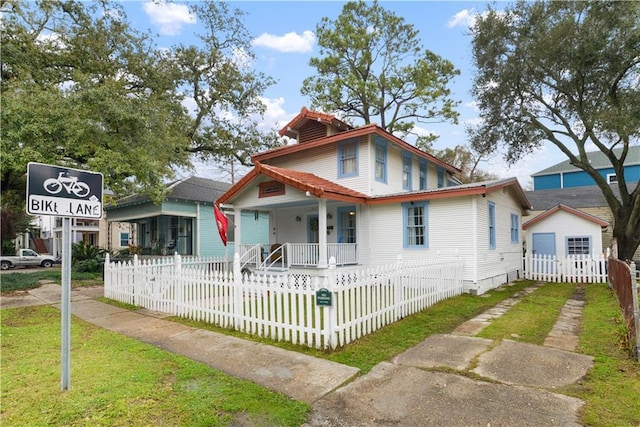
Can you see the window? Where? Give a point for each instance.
(578, 245)
(124, 239)
(492, 225)
(347, 225)
(406, 171)
(515, 228)
(381, 162)
(415, 220)
(423, 175)
(347, 159)
(440, 177)
(612, 178)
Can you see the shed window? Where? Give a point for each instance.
(578, 245)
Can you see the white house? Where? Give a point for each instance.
(364, 196)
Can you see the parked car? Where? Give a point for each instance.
(27, 258)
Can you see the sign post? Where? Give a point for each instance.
(68, 193)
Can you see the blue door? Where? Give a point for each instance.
(544, 244)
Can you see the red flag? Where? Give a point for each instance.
(222, 221)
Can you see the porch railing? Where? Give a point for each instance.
(290, 255)
(250, 255)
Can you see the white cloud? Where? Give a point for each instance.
(473, 105)
(275, 116)
(169, 16)
(464, 18)
(290, 42)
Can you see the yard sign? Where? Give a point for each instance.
(68, 193)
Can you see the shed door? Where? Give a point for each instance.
(544, 244)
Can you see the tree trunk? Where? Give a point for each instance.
(627, 244)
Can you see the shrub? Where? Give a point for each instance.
(87, 266)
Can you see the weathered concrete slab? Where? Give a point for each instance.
(452, 351)
(406, 396)
(294, 374)
(531, 365)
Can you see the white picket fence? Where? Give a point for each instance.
(573, 269)
(283, 307)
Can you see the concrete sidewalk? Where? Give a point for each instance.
(453, 380)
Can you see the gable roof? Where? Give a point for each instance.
(303, 181)
(597, 159)
(305, 115)
(193, 189)
(370, 129)
(326, 189)
(567, 209)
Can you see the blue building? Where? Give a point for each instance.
(184, 221)
(564, 175)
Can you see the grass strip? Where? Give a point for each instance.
(611, 389)
(119, 381)
(531, 319)
(397, 337)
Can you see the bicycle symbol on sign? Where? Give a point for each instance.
(69, 183)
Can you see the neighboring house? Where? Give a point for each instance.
(565, 184)
(364, 196)
(47, 234)
(564, 175)
(549, 235)
(184, 222)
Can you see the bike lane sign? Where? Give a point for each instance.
(64, 192)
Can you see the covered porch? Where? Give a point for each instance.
(305, 234)
(310, 219)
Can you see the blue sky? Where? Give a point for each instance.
(284, 41)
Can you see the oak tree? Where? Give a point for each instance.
(567, 73)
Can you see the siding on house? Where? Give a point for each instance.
(322, 161)
(451, 232)
(500, 264)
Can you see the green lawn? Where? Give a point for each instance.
(118, 381)
(137, 384)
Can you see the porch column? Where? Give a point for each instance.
(237, 222)
(322, 233)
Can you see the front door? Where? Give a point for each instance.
(313, 235)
